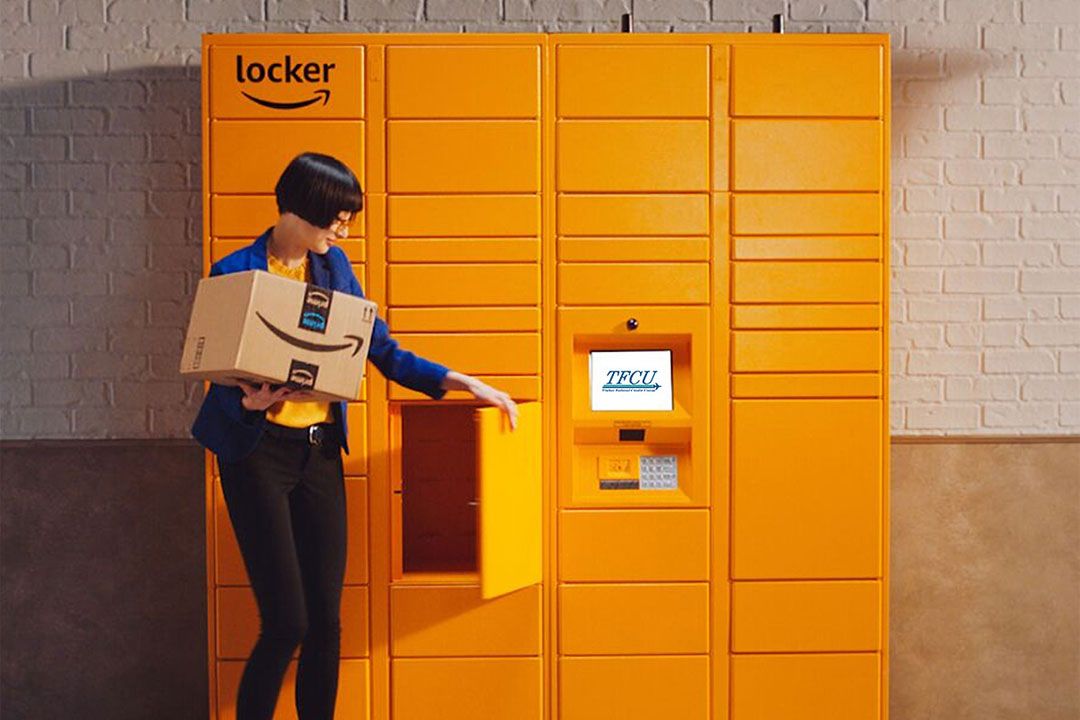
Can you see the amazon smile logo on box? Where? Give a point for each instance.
(286, 72)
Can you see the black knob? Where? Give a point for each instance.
(631, 324)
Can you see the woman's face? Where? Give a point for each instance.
(320, 240)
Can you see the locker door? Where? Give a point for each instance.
(511, 499)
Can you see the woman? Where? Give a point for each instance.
(280, 452)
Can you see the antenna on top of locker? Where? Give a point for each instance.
(778, 23)
(628, 19)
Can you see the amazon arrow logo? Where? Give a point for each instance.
(284, 72)
(357, 341)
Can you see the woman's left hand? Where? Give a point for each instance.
(483, 392)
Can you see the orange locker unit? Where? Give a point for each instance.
(672, 251)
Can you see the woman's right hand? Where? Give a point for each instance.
(262, 398)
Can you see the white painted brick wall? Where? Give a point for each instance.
(100, 210)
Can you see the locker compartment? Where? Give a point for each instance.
(466, 496)
(437, 250)
(470, 156)
(608, 249)
(519, 387)
(267, 81)
(633, 545)
(805, 282)
(807, 687)
(467, 688)
(813, 510)
(238, 622)
(806, 155)
(354, 691)
(633, 619)
(633, 214)
(440, 285)
(634, 688)
(243, 215)
(841, 247)
(440, 621)
(803, 80)
(632, 80)
(247, 156)
(808, 385)
(356, 461)
(633, 284)
(229, 564)
(805, 350)
(461, 81)
(805, 316)
(805, 214)
(463, 319)
(632, 155)
(806, 616)
(462, 215)
(221, 248)
(478, 353)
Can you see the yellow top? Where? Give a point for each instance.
(285, 412)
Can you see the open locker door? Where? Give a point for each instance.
(511, 500)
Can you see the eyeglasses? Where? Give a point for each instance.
(341, 227)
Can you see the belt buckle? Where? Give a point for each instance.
(315, 435)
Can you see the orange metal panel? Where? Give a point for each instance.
(441, 81)
(478, 353)
(781, 79)
(806, 316)
(511, 495)
(606, 249)
(356, 461)
(268, 81)
(353, 698)
(356, 551)
(441, 156)
(632, 155)
(633, 619)
(467, 688)
(637, 283)
(435, 250)
(806, 616)
(808, 687)
(440, 285)
(238, 622)
(634, 688)
(841, 247)
(813, 510)
(462, 215)
(806, 154)
(805, 350)
(247, 156)
(805, 282)
(633, 214)
(516, 386)
(625, 80)
(805, 213)
(463, 319)
(807, 385)
(633, 545)
(440, 621)
(244, 215)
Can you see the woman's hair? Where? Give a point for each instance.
(317, 187)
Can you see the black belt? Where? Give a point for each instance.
(317, 434)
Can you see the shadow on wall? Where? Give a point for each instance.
(100, 223)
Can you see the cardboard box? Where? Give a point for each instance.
(259, 327)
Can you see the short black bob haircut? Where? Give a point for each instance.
(317, 188)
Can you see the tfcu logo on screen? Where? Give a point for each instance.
(631, 381)
(265, 82)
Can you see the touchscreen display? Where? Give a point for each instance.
(630, 380)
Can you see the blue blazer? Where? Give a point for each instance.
(230, 431)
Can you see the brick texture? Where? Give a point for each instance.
(100, 210)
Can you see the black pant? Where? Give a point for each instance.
(286, 501)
